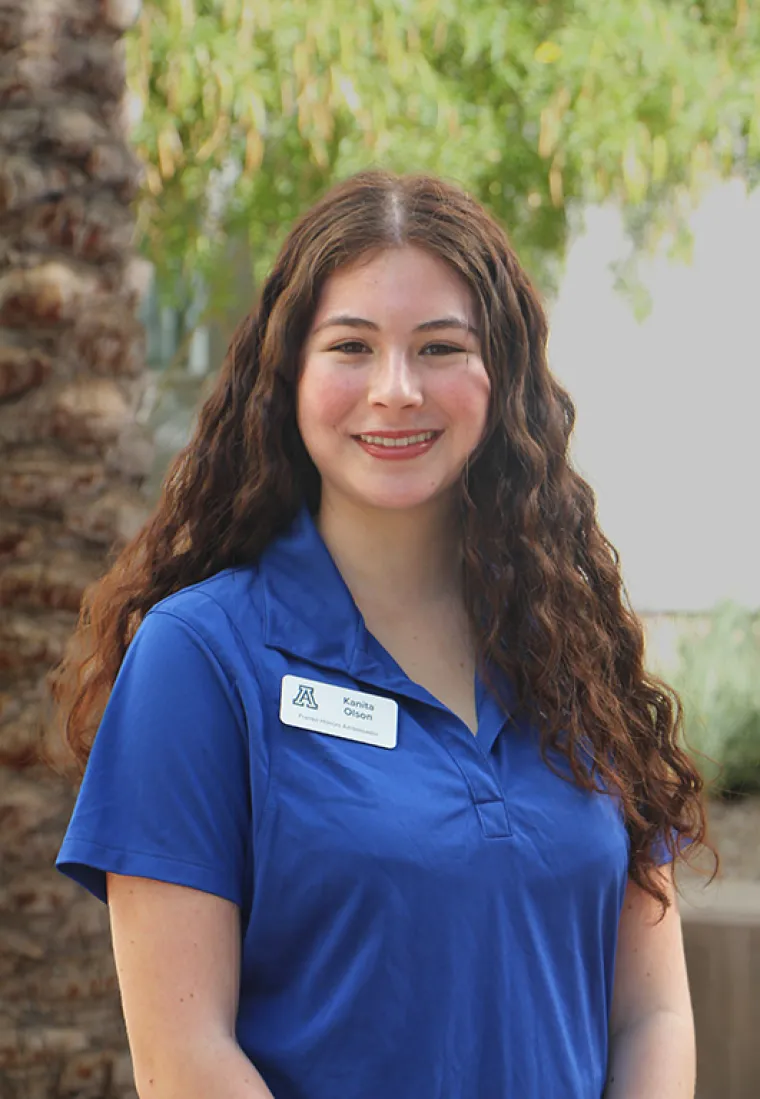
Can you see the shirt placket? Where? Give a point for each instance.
(470, 754)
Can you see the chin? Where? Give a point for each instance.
(396, 498)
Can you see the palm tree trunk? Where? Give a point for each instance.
(72, 459)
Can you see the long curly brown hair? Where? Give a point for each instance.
(543, 587)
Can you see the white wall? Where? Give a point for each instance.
(668, 429)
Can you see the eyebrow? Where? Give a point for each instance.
(344, 320)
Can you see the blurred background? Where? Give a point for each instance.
(152, 159)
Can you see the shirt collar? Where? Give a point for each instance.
(311, 614)
(309, 611)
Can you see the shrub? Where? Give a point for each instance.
(718, 678)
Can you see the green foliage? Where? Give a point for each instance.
(718, 678)
(253, 107)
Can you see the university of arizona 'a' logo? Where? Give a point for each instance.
(305, 697)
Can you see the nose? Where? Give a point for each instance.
(394, 383)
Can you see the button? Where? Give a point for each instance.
(493, 819)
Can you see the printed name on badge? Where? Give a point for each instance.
(338, 711)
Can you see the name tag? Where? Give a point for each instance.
(338, 711)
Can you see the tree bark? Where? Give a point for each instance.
(72, 460)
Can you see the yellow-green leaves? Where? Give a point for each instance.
(547, 53)
(531, 105)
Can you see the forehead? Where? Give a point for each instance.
(396, 285)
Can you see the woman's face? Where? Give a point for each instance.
(393, 394)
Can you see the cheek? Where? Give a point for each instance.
(466, 396)
(324, 398)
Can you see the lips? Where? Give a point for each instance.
(397, 445)
(393, 439)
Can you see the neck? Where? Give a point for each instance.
(400, 557)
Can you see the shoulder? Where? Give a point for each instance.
(224, 612)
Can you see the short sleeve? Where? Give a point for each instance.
(166, 792)
(660, 851)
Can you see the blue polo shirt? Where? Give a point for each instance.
(436, 920)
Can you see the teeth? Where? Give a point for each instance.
(406, 440)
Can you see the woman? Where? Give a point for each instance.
(383, 802)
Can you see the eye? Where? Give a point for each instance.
(350, 347)
(439, 349)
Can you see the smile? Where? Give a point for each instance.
(400, 441)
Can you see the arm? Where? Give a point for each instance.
(177, 954)
(652, 1054)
